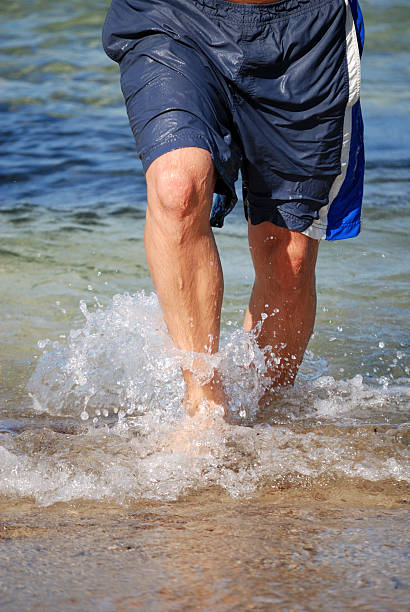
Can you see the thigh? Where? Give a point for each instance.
(175, 101)
(301, 122)
(177, 63)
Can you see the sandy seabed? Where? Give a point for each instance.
(283, 550)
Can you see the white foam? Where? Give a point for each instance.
(119, 377)
(148, 459)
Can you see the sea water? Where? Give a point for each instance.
(90, 383)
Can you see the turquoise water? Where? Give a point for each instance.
(72, 214)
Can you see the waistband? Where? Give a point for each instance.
(259, 12)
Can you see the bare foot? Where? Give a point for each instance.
(211, 394)
(267, 404)
(193, 433)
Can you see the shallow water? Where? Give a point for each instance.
(90, 387)
(208, 553)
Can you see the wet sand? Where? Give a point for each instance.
(337, 548)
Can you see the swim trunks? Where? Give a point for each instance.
(270, 90)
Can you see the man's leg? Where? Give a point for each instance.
(183, 259)
(284, 289)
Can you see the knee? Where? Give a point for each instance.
(295, 268)
(181, 192)
(287, 262)
(298, 272)
(177, 193)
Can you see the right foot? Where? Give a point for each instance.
(190, 436)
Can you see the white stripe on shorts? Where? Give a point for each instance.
(318, 228)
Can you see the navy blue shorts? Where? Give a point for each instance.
(271, 90)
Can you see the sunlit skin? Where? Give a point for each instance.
(186, 271)
(285, 291)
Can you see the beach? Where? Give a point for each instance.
(300, 505)
(210, 552)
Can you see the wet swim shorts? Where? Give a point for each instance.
(271, 90)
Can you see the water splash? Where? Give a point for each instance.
(120, 362)
(123, 362)
(118, 378)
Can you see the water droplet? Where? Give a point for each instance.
(84, 415)
(381, 344)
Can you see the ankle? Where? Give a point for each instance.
(211, 393)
